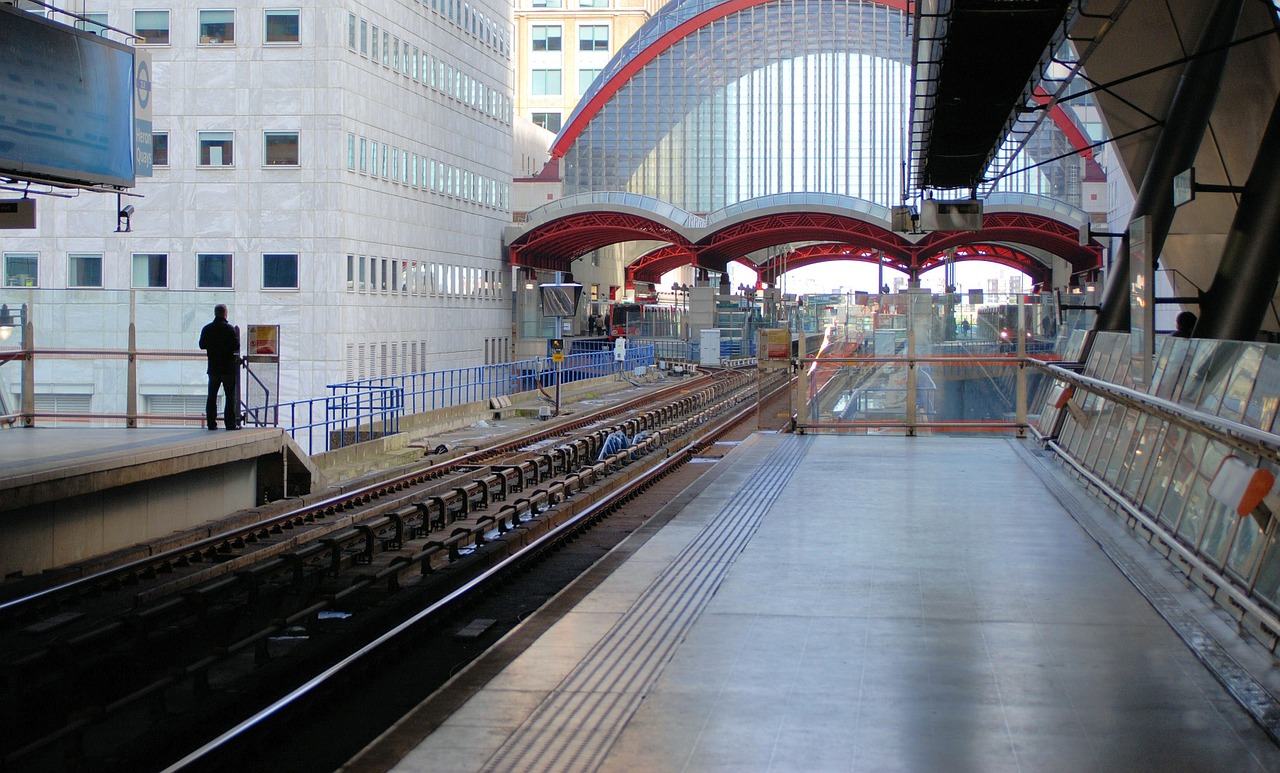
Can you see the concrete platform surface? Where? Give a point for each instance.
(858, 604)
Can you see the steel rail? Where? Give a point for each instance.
(340, 501)
(548, 539)
(698, 408)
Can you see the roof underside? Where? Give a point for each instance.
(982, 72)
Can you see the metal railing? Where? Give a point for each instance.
(1156, 450)
(364, 409)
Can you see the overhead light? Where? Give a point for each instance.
(7, 322)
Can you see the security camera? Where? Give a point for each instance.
(127, 211)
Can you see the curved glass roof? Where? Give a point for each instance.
(716, 102)
(803, 201)
(597, 200)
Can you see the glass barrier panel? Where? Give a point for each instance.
(1157, 489)
(1219, 522)
(1240, 384)
(1149, 436)
(1261, 410)
(1122, 451)
(1198, 372)
(1170, 387)
(1220, 367)
(1180, 485)
(1250, 539)
(1267, 584)
(1103, 434)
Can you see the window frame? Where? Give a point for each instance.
(207, 136)
(295, 265)
(33, 257)
(212, 40)
(133, 270)
(202, 261)
(156, 153)
(267, 13)
(593, 43)
(72, 274)
(168, 27)
(546, 39)
(297, 149)
(584, 87)
(540, 89)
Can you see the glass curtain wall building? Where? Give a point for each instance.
(714, 103)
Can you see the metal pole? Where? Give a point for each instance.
(1236, 302)
(560, 363)
(28, 369)
(131, 396)
(1175, 150)
(1021, 386)
(911, 365)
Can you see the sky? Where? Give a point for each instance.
(851, 276)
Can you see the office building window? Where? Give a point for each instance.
(84, 269)
(364, 37)
(386, 48)
(374, 34)
(150, 269)
(364, 155)
(95, 23)
(548, 3)
(20, 269)
(586, 77)
(152, 27)
(351, 152)
(217, 28)
(593, 37)
(546, 82)
(216, 148)
(548, 121)
(593, 3)
(213, 270)
(546, 37)
(351, 31)
(282, 26)
(159, 148)
(279, 271)
(280, 148)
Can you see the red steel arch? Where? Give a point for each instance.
(557, 243)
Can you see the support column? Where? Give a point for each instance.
(1236, 302)
(1175, 150)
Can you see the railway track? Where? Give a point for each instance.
(186, 642)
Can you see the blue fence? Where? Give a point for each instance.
(356, 411)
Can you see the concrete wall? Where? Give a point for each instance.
(54, 534)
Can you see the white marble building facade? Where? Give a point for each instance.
(342, 170)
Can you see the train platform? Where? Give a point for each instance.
(824, 603)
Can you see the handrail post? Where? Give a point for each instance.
(131, 390)
(1021, 387)
(28, 370)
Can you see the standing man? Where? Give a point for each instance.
(221, 342)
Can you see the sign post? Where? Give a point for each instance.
(262, 365)
(559, 300)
